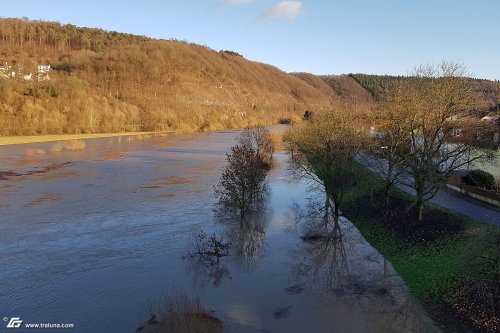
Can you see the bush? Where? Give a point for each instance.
(295, 120)
(181, 314)
(308, 115)
(231, 53)
(209, 247)
(480, 178)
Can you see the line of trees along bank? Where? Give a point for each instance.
(324, 150)
(415, 118)
(488, 91)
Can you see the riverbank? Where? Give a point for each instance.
(16, 140)
(449, 262)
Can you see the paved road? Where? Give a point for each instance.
(457, 202)
(464, 205)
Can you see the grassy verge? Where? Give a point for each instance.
(449, 262)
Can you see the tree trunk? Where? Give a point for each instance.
(327, 210)
(387, 192)
(336, 211)
(420, 212)
(419, 199)
(388, 184)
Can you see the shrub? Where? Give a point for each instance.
(182, 314)
(231, 53)
(480, 178)
(285, 121)
(308, 115)
(209, 247)
(33, 92)
(295, 120)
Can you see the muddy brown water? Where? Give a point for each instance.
(99, 241)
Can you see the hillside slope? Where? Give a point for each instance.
(107, 82)
(488, 91)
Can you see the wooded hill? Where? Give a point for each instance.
(489, 91)
(104, 81)
(109, 82)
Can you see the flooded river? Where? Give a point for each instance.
(97, 235)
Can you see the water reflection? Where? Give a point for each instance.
(246, 242)
(206, 274)
(248, 239)
(354, 285)
(326, 266)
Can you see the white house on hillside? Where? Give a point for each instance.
(4, 67)
(43, 68)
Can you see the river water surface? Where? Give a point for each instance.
(98, 236)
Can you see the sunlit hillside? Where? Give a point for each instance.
(107, 81)
(488, 91)
(101, 81)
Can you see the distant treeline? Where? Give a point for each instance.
(376, 85)
(61, 36)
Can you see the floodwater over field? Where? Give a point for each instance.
(96, 234)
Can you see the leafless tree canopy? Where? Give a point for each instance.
(324, 150)
(242, 186)
(260, 140)
(419, 117)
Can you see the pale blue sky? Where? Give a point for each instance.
(321, 37)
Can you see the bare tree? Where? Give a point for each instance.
(242, 186)
(259, 139)
(391, 140)
(429, 106)
(324, 151)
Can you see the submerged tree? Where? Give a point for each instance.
(242, 185)
(324, 151)
(260, 140)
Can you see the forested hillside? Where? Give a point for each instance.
(488, 90)
(104, 81)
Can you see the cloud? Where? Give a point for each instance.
(289, 10)
(237, 2)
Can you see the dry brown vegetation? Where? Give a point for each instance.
(182, 314)
(323, 150)
(109, 82)
(347, 88)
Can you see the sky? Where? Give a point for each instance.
(320, 37)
